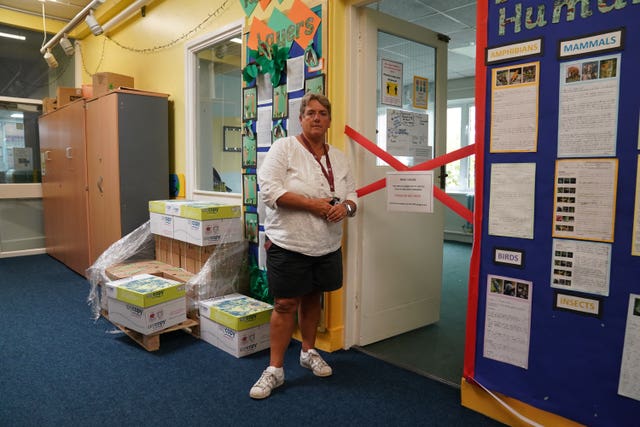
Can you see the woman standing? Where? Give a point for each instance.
(308, 189)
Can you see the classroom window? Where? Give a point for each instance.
(460, 133)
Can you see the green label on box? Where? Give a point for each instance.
(240, 313)
(205, 211)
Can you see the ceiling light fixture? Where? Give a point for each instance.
(72, 24)
(12, 36)
(52, 62)
(67, 46)
(91, 21)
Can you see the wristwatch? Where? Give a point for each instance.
(350, 211)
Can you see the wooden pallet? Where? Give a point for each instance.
(151, 342)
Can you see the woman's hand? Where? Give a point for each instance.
(337, 212)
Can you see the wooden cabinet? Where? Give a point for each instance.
(103, 160)
(64, 185)
(127, 162)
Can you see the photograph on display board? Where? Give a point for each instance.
(250, 103)
(314, 84)
(250, 189)
(280, 109)
(251, 226)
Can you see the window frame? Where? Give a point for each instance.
(191, 112)
(465, 104)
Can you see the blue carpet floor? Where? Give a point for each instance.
(60, 368)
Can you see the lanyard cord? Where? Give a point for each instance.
(328, 172)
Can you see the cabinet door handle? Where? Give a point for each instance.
(46, 156)
(100, 184)
(69, 153)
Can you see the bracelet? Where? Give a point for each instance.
(350, 211)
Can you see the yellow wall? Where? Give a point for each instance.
(135, 48)
(139, 53)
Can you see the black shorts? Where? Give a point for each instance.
(292, 274)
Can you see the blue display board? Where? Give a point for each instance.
(573, 363)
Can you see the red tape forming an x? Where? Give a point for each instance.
(447, 200)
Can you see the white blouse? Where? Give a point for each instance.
(290, 167)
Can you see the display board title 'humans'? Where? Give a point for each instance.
(539, 16)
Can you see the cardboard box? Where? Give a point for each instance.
(160, 224)
(49, 105)
(236, 343)
(208, 210)
(66, 95)
(168, 251)
(145, 290)
(154, 267)
(209, 232)
(105, 82)
(236, 311)
(147, 320)
(193, 257)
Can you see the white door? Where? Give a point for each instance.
(399, 254)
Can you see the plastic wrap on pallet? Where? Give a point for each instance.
(225, 272)
(136, 245)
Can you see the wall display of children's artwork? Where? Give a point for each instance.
(250, 103)
(251, 226)
(282, 62)
(280, 108)
(250, 189)
(249, 153)
(278, 131)
(314, 84)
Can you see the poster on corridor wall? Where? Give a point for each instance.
(629, 384)
(585, 199)
(391, 89)
(514, 108)
(588, 107)
(581, 266)
(512, 199)
(507, 327)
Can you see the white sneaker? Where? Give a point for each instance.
(269, 380)
(312, 360)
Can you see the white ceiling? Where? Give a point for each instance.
(453, 18)
(62, 10)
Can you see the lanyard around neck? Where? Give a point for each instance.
(328, 172)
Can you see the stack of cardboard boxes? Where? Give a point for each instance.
(102, 83)
(188, 232)
(149, 296)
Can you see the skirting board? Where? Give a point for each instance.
(477, 399)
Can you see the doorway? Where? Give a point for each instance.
(393, 332)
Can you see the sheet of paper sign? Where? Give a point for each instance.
(581, 266)
(588, 110)
(507, 324)
(511, 203)
(263, 126)
(629, 384)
